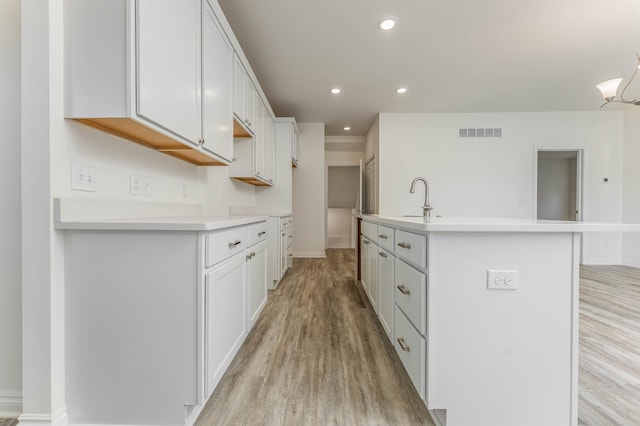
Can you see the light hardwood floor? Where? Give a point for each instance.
(317, 356)
(609, 376)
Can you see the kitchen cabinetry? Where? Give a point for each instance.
(127, 75)
(385, 290)
(244, 96)
(393, 272)
(280, 252)
(147, 307)
(257, 271)
(254, 157)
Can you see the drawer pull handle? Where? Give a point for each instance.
(403, 345)
(290, 236)
(260, 234)
(404, 245)
(365, 242)
(383, 236)
(290, 255)
(234, 243)
(403, 289)
(383, 254)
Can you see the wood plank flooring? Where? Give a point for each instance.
(317, 356)
(8, 422)
(609, 376)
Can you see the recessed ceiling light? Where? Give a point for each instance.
(347, 128)
(401, 90)
(387, 23)
(335, 90)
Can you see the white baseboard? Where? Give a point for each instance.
(601, 261)
(58, 418)
(631, 262)
(10, 405)
(320, 254)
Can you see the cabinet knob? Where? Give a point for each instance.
(201, 141)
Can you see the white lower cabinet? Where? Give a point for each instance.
(411, 348)
(394, 275)
(225, 327)
(385, 290)
(257, 279)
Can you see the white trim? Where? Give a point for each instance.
(598, 261)
(59, 418)
(10, 405)
(318, 254)
(633, 263)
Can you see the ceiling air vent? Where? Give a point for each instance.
(480, 133)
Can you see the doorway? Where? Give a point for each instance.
(343, 193)
(558, 188)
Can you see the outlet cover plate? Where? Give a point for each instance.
(501, 279)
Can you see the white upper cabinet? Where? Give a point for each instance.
(167, 65)
(244, 97)
(156, 72)
(217, 79)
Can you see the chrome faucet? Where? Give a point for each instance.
(426, 208)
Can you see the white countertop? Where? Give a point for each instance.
(496, 224)
(178, 223)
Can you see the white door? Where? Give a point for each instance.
(167, 54)
(217, 82)
(257, 280)
(558, 183)
(224, 317)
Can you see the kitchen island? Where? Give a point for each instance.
(483, 313)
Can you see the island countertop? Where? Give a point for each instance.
(496, 224)
(180, 223)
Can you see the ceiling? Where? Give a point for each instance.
(453, 56)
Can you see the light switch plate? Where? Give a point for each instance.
(83, 177)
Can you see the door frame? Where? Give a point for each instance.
(580, 166)
(357, 163)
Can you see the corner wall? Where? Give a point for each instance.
(10, 213)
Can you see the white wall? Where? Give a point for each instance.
(494, 176)
(339, 228)
(309, 196)
(631, 206)
(10, 220)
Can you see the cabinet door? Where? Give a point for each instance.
(284, 264)
(257, 280)
(372, 264)
(385, 290)
(167, 58)
(364, 262)
(224, 317)
(259, 143)
(217, 80)
(250, 104)
(239, 88)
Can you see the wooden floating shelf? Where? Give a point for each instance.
(239, 131)
(252, 181)
(134, 131)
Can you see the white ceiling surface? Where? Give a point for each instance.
(454, 56)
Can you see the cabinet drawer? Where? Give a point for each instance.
(385, 237)
(411, 348)
(257, 232)
(222, 244)
(370, 230)
(412, 247)
(410, 287)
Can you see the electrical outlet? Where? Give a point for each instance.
(502, 279)
(135, 184)
(83, 178)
